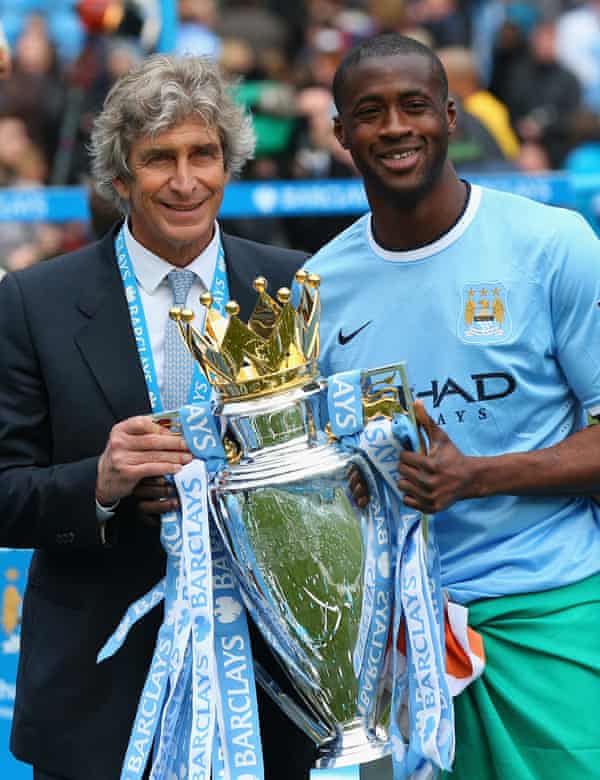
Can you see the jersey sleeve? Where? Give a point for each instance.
(575, 309)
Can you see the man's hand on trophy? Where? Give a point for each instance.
(358, 487)
(138, 449)
(435, 479)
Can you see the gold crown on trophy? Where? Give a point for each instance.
(276, 350)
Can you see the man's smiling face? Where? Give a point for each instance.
(175, 191)
(395, 121)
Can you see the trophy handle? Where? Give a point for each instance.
(386, 392)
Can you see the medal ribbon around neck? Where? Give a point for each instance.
(200, 389)
(401, 573)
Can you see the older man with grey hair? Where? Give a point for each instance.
(86, 353)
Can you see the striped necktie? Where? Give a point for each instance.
(179, 364)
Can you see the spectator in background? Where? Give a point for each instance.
(584, 157)
(388, 15)
(5, 55)
(488, 19)
(237, 59)
(317, 154)
(103, 61)
(271, 105)
(533, 158)
(584, 143)
(578, 48)
(35, 92)
(195, 33)
(465, 85)
(445, 20)
(330, 29)
(325, 47)
(264, 31)
(472, 147)
(22, 164)
(509, 44)
(542, 95)
(323, 13)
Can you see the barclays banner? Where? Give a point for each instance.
(13, 577)
(277, 198)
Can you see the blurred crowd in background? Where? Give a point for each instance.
(524, 73)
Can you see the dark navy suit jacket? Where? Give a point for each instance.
(69, 370)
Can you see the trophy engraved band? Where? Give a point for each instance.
(306, 557)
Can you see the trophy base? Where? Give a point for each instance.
(378, 769)
(354, 746)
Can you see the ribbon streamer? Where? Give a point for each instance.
(198, 705)
(418, 679)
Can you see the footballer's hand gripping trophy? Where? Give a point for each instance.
(310, 563)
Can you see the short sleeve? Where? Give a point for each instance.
(575, 308)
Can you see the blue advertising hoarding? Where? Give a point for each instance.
(313, 197)
(13, 576)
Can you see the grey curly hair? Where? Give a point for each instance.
(154, 97)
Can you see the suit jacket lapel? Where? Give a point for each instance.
(240, 276)
(106, 340)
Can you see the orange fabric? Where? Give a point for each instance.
(458, 663)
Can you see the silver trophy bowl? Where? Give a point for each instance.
(299, 546)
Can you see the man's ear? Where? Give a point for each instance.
(338, 131)
(121, 188)
(451, 115)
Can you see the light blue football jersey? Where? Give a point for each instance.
(499, 324)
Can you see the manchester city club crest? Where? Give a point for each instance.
(484, 316)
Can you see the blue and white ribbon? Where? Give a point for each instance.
(151, 702)
(198, 706)
(411, 591)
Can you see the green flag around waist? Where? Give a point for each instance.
(534, 713)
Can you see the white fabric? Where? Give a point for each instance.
(151, 273)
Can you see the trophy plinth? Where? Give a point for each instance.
(354, 745)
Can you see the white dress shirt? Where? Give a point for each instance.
(155, 293)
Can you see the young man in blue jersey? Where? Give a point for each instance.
(493, 300)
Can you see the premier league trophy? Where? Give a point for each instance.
(316, 572)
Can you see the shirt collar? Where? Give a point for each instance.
(150, 269)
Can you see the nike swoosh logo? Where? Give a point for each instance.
(345, 339)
